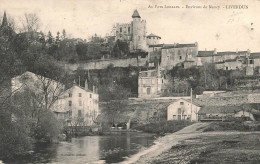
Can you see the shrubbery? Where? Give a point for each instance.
(234, 125)
(163, 127)
(14, 138)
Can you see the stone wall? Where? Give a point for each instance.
(103, 64)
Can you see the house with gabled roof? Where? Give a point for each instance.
(81, 104)
(183, 109)
(224, 112)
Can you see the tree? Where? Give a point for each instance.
(49, 38)
(30, 22)
(57, 41)
(82, 49)
(63, 35)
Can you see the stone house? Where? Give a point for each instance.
(150, 83)
(42, 89)
(177, 54)
(224, 112)
(38, 92)
(183, 110)
(81, 105)
(205, 57)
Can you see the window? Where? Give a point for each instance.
(79, 113)
(120, 29)
(90, 95)
(179, 110)
(180, 57)
(251, 61)
(148, 91)
(70, 103)
(80, 103)
(70, 94)
(80, 94)
(174, 117)
(181, 103)
(128, 29)
(70, 113)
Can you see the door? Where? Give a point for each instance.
(148, 91)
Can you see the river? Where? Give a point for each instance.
(91, 149)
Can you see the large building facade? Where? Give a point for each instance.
(81, 105)
(150, 83)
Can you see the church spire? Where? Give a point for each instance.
(4, 23)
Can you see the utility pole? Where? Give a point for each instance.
(191, 103)
(79, 80)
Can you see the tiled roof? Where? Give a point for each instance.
(87, 90)
(220, 109)
(249, 107)
(152, 35)
(136, 14)
(156, 45)
(231, 52)
(255, 55)
(205, 53)
(180, 46)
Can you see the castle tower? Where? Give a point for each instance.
(153, 39)
(139, 32)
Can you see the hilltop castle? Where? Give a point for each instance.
(134, 33)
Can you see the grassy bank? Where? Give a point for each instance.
(162, 127)
(234, 125)
(227, 148)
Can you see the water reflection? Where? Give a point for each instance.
(113, 148)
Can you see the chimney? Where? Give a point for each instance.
(94, 88)
(86, 84)
(248, 51)
(74, 83)
(215, 51)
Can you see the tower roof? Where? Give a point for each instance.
(4, 23)
(136, 14)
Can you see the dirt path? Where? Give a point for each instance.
(165, 143)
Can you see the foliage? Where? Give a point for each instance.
(163, 127)
(14, 138)
(120, 49)
(234, 125)
(48, 127)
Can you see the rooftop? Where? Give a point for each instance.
(136, 14)
(180, 46)
(152, 35)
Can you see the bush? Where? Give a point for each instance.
(223, 126)
(163, 127)
(14, 139)
(48, 127)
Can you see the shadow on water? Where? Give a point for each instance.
(110, 148)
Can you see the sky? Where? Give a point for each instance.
(225, 29)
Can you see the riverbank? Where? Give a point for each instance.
(166, 147)
(215, 147)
